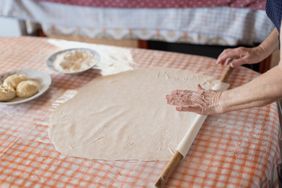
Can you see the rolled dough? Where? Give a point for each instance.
(124, 116)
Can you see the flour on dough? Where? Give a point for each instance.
(124, 116)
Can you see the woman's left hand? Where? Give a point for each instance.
(202, 101)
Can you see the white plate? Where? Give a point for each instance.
(51, 60)
(43, 78)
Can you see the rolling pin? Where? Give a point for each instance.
(186, 142)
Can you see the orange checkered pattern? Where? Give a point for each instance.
(236, 149)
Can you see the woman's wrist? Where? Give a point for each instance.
(224, 102)
(269, 45)
(261, 52)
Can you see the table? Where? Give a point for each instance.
(236, 149)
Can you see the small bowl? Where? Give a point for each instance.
(51, 60)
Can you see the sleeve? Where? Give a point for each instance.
(280, 41)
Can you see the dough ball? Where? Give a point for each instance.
(14, 80)
(27, 88)
(7, 93)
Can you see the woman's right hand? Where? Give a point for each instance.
(239, 56)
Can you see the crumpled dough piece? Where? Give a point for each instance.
(7, 93)
(27, 88)
(14, 80)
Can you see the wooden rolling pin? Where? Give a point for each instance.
(184, 146)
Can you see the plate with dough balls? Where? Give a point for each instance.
(73, 61)
(22, 86)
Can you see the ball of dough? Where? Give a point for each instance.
(7, 93)
(27, 88)
(14, 80)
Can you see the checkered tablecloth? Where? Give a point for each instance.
(236, 149)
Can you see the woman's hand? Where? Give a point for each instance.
(201, 101)
(239, 56)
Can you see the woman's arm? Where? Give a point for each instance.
(261, 91)
(270, 44)
(239, 56)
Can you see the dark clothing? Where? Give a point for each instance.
(274, 12)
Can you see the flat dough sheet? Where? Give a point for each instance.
(124, 116)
